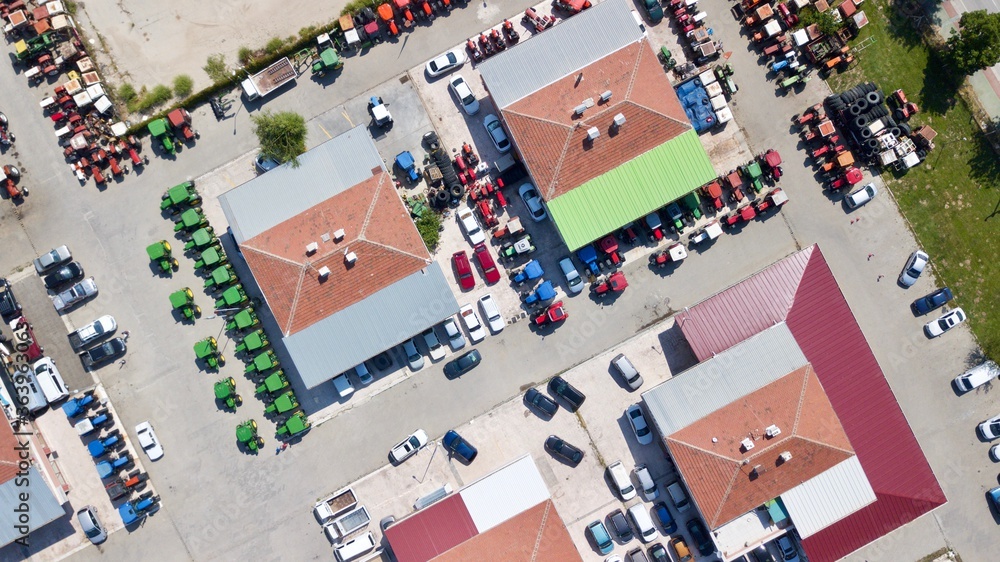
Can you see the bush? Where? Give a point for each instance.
(245, 55)
(149, 99)
(308, 32)
(282, 135)
(216, 67)
(429, 227)
(183, 85)
(274, 46)
(825, 21)
(126, 93)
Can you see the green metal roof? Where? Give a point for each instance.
(632, 190)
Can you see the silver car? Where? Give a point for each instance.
(461, 90)
(861, 196)
(497, 134)
(434, 348)
(413, 357)
(91, 525)
(913, 268)
(455, 338)
(52, 258)
(574, 283)
(82, 290)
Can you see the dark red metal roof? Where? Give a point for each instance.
(432, 531)
(802, 291)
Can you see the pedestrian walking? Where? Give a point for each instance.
(125, 335)
(284, 446)
(870, 256)
(879, 278)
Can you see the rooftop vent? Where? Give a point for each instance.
(593, 133)
(757, 471)
(589, 102)
(350, 257)
(311, 248)
(325, 237)
(619, 120)
(784, 457)
(324, 273)
(746, 444)
(580, 109)
(772, 431)
(338, 235)
(606, 96)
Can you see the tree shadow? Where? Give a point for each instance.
(939, 92)
(984, 165)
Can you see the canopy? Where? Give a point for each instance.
(747, 212)
(853, 175)
(246, 431)
(329, 57)
(714, 190)
(158, 127)
(678, 252)
(546, 291)
(202, 237)
(296, 423)
(222, 274)
(179, 193)
(587, 255)
(534, 269)
(245, 319)
(276, 381)
(191, 217)
(205, 347)
(157, 250)
(179, 117)
(779, 197)
(753, 170)
(692, 201)
(264, 361)
(713, 230)
(211, 256)
(224, 388)
(772, 28)
(772, 157)
(618, 281)
(609, 244)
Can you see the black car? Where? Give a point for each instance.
(465, 363)
(456, 445)
(658, 553)
(9, 307)
(564, 450)
(761, 554)
(68, 273)
(559, 387)
(700, 537)
(545, 404)
(620, 526)
(103, 353)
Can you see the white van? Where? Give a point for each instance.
(977, 376)
(343, 385)
(29, 392)
(646, 482)
(620, 477)
(679, 496)
(49, 379)
(643, 523)
(355, 548)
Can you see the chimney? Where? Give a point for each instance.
(593, 133)
(784, 457)
(619, 120)
(311, 248)
(338, 235)
(772, 431)
(349, 257)
(746, 444)
(324, 273)
(606, 96)
(580, 109)
(757, 471)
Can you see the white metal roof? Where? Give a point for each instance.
(828, 497)
(723, 379)
(570, 45)
(43, 507)
(504, 493)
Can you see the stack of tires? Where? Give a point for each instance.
(858, 108)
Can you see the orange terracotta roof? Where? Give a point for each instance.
(535, 535)
(552, 140)
(720, 474)
(9, 455)
(377, 228)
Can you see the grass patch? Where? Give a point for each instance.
(952, 199)
(183, 85)
(429, 227)
(148, 99)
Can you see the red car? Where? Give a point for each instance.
(463, 270)
(486, 262)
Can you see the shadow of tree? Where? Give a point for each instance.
(939, 92)
(984, 165)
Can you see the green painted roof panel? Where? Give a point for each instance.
(632, 190)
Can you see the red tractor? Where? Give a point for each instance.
(571, 6)
(904, 108)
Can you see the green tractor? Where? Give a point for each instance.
(225, 392)
(159, 254)
(295, 424)
(273, 383)
(180, 196)
(246, 435)
(207, 350)
(183, 302)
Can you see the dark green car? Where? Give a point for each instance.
(465, 363)
(654, 11)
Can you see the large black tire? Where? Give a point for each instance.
(838, 105)
(456, 192)
(898, 114)
(894, 131)
(831, 99)
(866, 133)
(442, 196)
(874, 98)
(861, 103)
(869, 87)
(871, 144)
(848, 97)
(905, 129)
(855, 110)
(860, 121)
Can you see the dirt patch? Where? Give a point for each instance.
(149, 43)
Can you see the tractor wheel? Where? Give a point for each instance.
(905, 129)
(197, 311)
(871, 144)
(239, 400)
(222, 359)
(874, 98)
(861, 121)
(855, 109)
(894, 131)
(866, 133)
(838, 104)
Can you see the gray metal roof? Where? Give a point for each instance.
(828, 497)
(43, 507)
(748, 366)
(276, 196)
(366, 328)
(558, 52)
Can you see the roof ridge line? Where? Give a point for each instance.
(394, 249)
(559, 163)
(537, 118)
(802, 400)
(275, 256)
(372, 205)
(725, 495)
(295, 302)
(819, 443)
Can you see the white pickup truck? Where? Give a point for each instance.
(335, 504)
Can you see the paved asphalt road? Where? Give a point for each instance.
(219, 504)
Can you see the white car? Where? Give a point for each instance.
(472, 323)
(492, 313)
(995, 453)
(574, 283)
(148, 441)
(434, 348)
(461, 90)
(937, 327)
(639, 425)
(497, 134)
(455, 338)
(471, 226)
(913, 268)
(445, 63)
(82, 290)
(990, 429)
(52, 258)
(408, 447)
(529, 195)
(861, 196)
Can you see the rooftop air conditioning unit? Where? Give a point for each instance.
(606, 96)
(350, 258)
(784, 457)
(338, 235)
(746, 444)
(580, 109)
(772, 431)
(324, 272)
(619, 120)
(593, 133)
(311, 248)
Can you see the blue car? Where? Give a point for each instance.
(927, 303)
(459, 447)
(666, 520)
(994, 497)
(602, 539)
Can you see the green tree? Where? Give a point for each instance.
(183, 84)
(216, 67)
(977, 45)
(825, 21)
(282, 135)
(429, 227)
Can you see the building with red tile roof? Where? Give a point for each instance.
(337, 257)
(596, 122)
(746, 344)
